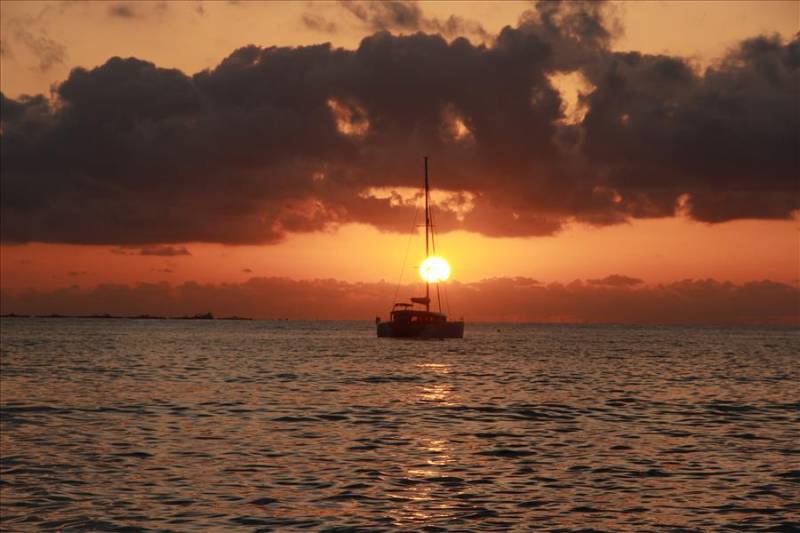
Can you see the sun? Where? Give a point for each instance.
(434, 269)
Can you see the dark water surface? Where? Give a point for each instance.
(214, 425)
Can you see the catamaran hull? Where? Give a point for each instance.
(443, 330)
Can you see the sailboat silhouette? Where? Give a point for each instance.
(409, 322)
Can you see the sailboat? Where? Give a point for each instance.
(408, 321)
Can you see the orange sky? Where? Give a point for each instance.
(193, 36)
(655, 250)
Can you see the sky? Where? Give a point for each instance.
(215, 148)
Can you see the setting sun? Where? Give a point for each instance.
(434, 269)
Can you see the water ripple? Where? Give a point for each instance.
(174, 425)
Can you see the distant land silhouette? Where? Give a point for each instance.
(199, 316)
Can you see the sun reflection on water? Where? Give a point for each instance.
(244, 425)
(425, 480)
(439, 368)
(438, 391)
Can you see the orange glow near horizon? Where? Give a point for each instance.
(657, 251)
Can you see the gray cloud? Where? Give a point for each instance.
(158, 251)
(317, 22)
(404, 16)
(616, 280)
(48, 52)
(165, 251)
(390, 15)
(139, 10)
(279, 140)
(123, 10)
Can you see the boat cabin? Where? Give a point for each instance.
(414, 316)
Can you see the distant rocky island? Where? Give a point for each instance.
(199, 316)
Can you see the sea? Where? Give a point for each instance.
(213, 425)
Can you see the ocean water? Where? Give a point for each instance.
(220, 425)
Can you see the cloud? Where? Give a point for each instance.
(247, 270)
(499, 299)
(616, 280)
(135, 10)
(159, 251)
(405, 16)
(123, 10)
(390, 15)
(283, 140)
(25, 33)
(317, 22)
(165, 251)
(75, 273)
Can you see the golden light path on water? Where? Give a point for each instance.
(437, 452)
(299, 425)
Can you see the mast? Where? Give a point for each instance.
(427, 226)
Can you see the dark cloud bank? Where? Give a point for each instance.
(277, 140)
(501, 299)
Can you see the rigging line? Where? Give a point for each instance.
(433, 238)
(429, 211)
(446, 300)
(429, 214)
(433, 246)
(408, 247)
